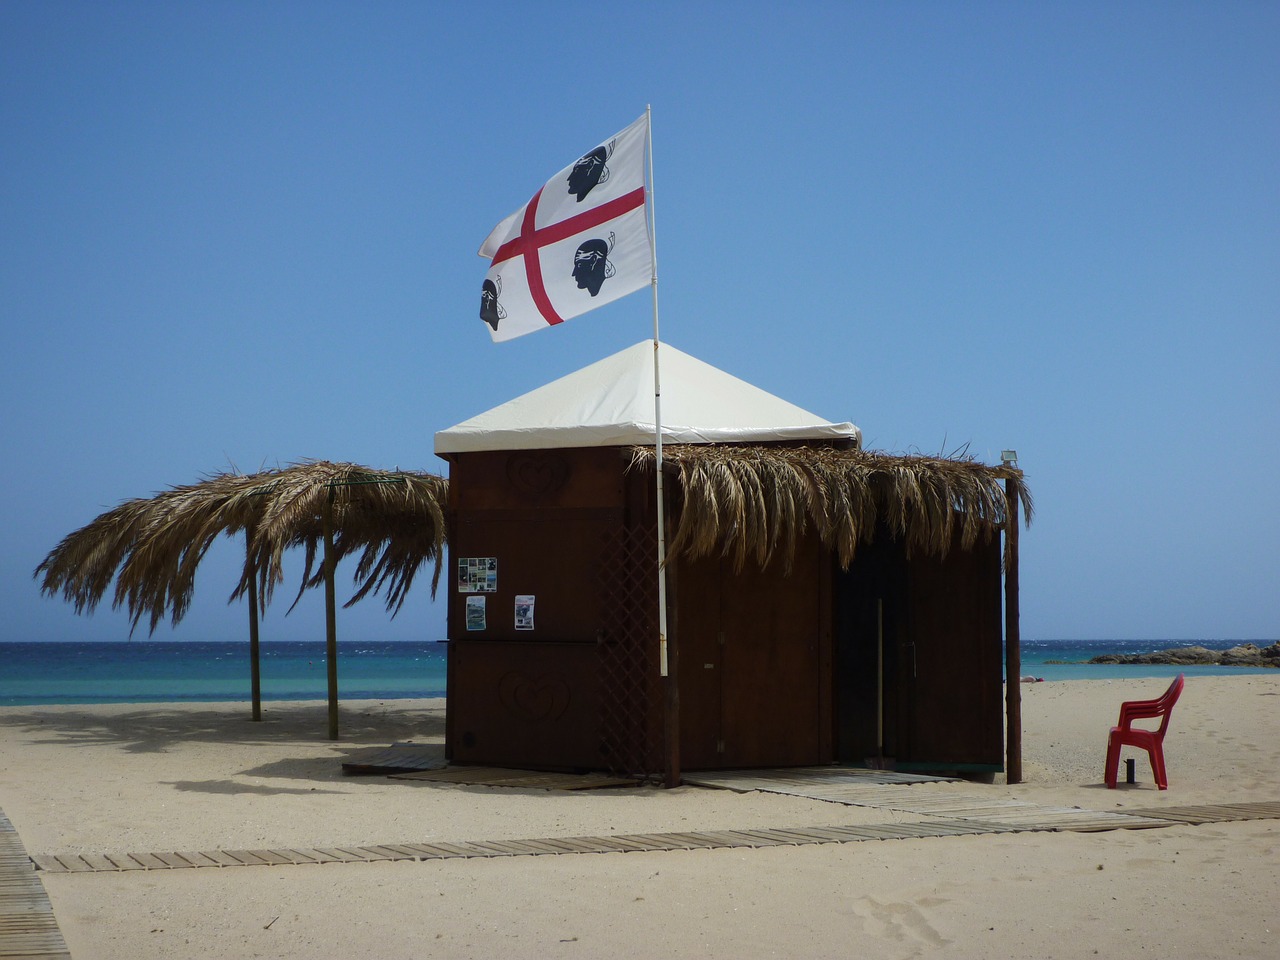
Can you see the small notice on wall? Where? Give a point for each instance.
(475, 613)
(477, 574)
(524, 611)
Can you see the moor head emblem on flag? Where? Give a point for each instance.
(550, 259)
(591, 266)
(590, 170)
(490, 309)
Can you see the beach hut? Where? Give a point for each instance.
(824, 603)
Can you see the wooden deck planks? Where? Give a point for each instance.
(397, 758)
(525, 779)
(797, 779)
(949, 815)
(28, 927)
(1210, 813)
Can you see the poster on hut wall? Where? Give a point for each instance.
(477, 575)
(524, 611)
(475, 613)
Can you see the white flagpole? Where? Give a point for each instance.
(657, 414)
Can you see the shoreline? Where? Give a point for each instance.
(183, 776)
(1051, 671)
(207, 672)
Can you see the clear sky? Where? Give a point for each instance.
(236, 234)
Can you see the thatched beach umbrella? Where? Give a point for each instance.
(395, 521)
(152, 547)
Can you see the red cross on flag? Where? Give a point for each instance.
(581, 242)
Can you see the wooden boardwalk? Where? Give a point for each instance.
(524, 779)
(27, 925)
(985, 820)
(945, 814)
(901, 792)
(397, 758)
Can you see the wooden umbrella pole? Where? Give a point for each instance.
(331, 616)
(1012, 639)
(255, 673)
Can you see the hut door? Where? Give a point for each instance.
(918, 658)
(750, 665)
(868, 601)
(701, 669)
(949, 661)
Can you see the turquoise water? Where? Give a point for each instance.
(1035, 653)
(160, 671)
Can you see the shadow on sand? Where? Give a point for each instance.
(156, 729)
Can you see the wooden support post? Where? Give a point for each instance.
(1012, 640)
(255, 673)
(331, 616)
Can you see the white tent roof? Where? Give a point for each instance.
(610, 403)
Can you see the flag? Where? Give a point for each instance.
(581, 242)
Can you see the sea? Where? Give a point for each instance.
(144, 671)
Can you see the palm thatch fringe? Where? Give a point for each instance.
(756, 502)
(395, 521)
(153, 547)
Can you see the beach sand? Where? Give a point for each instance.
(139, 778)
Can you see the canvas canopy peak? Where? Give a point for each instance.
(610, 403)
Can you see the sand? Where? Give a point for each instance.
(198, 776)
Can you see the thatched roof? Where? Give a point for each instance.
(740, 502)
(755, 502)
(152, 547)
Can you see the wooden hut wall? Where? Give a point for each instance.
(929, 627)
(572, 529)
(755, 661)
(775, 669)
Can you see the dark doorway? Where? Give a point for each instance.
(917, 680)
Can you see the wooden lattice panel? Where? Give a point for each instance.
(629, 684)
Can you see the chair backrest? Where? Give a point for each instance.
(1169, 698)
(1161, 707)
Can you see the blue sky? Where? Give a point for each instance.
(241, 235)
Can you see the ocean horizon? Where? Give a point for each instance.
(48, 672)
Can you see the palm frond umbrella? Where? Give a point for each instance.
(152, 547)
(394, 520)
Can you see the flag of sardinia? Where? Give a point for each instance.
(581, 242)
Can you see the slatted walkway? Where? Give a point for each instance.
(414, 761)
(1214, 812)
(27, 925)
(900, 792)
(801, 778)
(397, 758)
(527, 779)
(1040, 819)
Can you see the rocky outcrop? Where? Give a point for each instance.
(1244, 655)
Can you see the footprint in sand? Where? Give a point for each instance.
(903, 923)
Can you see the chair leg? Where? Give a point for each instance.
(1157, 766)
(1113, 761)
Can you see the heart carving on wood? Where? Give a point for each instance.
(541, 698)
(537, 474)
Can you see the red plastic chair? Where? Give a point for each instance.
(1151, 741)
